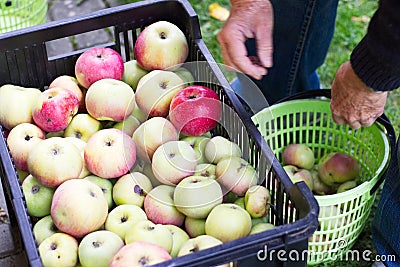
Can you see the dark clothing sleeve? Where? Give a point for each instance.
(376, 59)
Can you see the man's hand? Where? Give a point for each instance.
(352, 101)
(248, 19)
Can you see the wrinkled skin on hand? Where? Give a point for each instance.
(248, 19)
(352, 101)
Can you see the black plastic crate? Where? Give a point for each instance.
(24, 61)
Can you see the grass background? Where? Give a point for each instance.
(351, 24)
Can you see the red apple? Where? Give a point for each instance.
(335, 168)
(195, 110)
(98, 63)
(299, 155)
(54, 109)
(70, 83)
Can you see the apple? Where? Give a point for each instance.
(121, 218)
(139, 114)
(299, 155)
(22, 175)
(219, 147)
(179, 237)
(206, 170)
(128, 125)
(161, 45)
(348, 185)
(155, 91)
(299, 175)
(172, 161)
(336, 168)
(257, 201)
(110, 153)
(160, 208)
(98, 63)
(185, 75)
(238, 225)
(12, 114)
(240, 201)
(106, 187)
(54, 109)
(37, 197)
(110, 99)
(236, 174)
(59, 249)
(80, 145)
(20, 140)
(82, 126)
(98, 248)
(195, 227)
(260, 227)
(198, 243)
(55, 160)
(131, 188)
(44, 228)
(55, 134)
(199, 144)
(147, 170)
(195, 110)
(78, 207)
(319, 187)
(148, 231)
(196, 196)
(133, 73)
(138, 254)
(70, 83)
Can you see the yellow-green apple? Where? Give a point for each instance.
(185, 74)
(257, 201)
(151, 134)
(44, 228)
(97, 248)
(22, 174)
(138, 254)
(319, 187)
(20, 140)
(263, 219)
(160, 208)
(55, 134)
(78, 207)
(12, 114)
(147, 170)
(82, 126)
(59, 249)
(240, 202)
(161, 45)
(133, 73)
(229, 196)
(336, 168)
(205, 169)
(146, 230)
(172, 161)
(98, 63)
(80, 145)
(105, 185)
(155, 91)
(55, 160)
(238, 225)
(195, 110)
(198, 243)
(70, 83)
(346, 186)
(128, 125)
(110, 99)
(299, 175)
(131, 188)
(195, 227)
(37, 196)
(196, 196)
(139, 114)
(236, 174)
(299, 155)
(179, 237)
(54, 109)
(219, 147)
(110, 153)
(121, 218)
(260, 227)
(199, 144)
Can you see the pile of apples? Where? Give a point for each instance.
(334, 172)
(118, 165)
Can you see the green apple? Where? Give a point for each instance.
(129, 125)
(179, 237)
(131, 188)
(346, 186)
(261, 227)
(121, 218)
(55, 134)
(97, 248)
(148, 231)
(44, 228)
(133, 73)
(205, 169)
(219, 147)
(82, 126)
(198, 243)
(105, 185)
(59, 249)
(148, 171)
(257, 201)
(185, 75)
(195, 227)
(263, 219)
(219, 226)
(240, 202)
(196, 196)
(199, 144)
(139, 114)
(319, 187)
(37, 196)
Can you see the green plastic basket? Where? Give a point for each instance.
(342, 216)
(18, 14)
